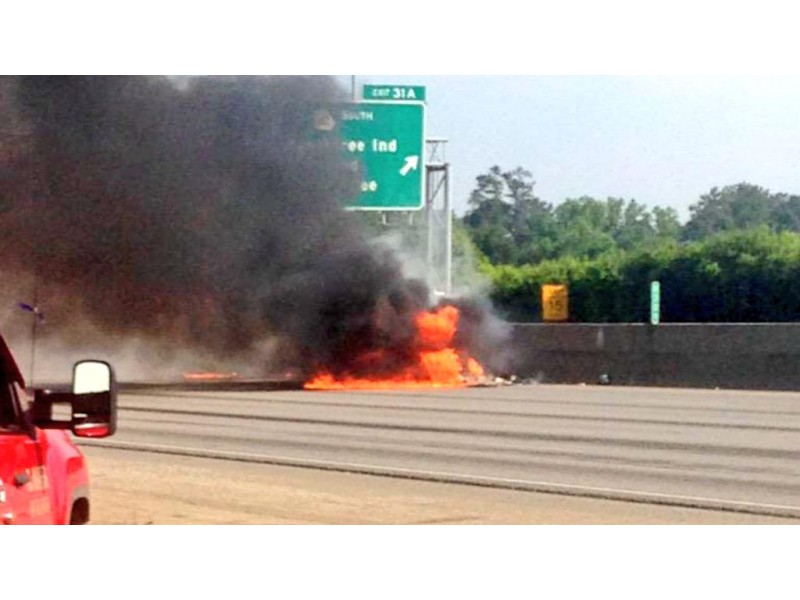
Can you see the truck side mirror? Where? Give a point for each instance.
(93, 402)
(91, 376)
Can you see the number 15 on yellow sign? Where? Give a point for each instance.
(555, 302)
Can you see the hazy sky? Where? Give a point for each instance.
(661, 140)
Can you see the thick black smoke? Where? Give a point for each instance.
(204, 215)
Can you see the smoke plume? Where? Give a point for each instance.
(198, 216)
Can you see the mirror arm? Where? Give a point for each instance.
(40, 412)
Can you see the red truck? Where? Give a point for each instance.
(43, 475)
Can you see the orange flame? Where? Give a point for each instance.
(208, 376)
(437, 363)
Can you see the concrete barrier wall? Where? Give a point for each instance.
(726, 355)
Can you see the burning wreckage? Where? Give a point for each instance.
(199, 216)
(432, 360)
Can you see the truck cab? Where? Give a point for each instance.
(43, 475)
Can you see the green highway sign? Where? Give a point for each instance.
(385, 142)
(394, 92)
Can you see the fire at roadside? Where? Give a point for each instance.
(434, 361)
(203, 217)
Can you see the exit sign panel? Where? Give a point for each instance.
(394, 92)
(385, 143)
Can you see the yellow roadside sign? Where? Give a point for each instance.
(555, 302)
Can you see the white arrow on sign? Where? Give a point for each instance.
(412, 162)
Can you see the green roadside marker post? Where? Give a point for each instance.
(655, 302)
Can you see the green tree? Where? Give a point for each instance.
(582, 228)
(637, 226)
(489, 217)
(589, 227)
(735, 276)
(666, 223)
(506, 220)
(741, 206)
(786, 215)
(532, 224)
(510, 225)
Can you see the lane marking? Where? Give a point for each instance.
(483, 413)
(606, 493)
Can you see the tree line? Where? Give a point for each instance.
(736, 259)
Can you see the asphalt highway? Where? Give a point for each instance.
(724, 450)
